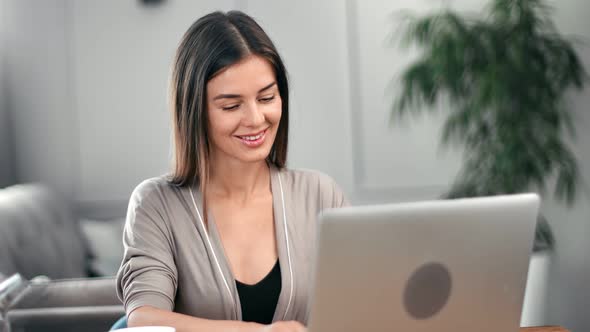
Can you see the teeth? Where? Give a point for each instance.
(252, 138)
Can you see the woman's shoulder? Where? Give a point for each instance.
(153, 188)
(310, 183)
(306, 176)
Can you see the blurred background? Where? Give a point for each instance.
(83, 110)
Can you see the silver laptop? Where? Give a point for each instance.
(444, 266)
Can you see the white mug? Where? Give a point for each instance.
(148, 329)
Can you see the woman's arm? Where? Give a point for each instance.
(146, 316)
(147, 280)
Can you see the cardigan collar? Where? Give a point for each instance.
(221, 266)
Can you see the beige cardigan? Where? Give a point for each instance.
(172, 263)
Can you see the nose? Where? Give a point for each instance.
(253, 116)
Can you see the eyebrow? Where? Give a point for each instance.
(221, 96)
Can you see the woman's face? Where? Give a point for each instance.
(244, 108)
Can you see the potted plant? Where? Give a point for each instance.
(504, 77)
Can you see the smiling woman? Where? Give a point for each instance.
(244, 111)
(225, 242)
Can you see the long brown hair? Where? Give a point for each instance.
(211, 44)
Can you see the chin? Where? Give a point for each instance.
(254, 157)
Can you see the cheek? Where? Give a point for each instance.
(220, 124)
(274, 115)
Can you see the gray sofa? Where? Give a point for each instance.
(40, 235)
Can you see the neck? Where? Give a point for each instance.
(238, 180)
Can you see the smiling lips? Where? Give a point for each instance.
(254, 140)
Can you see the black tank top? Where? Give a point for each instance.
(259, 301)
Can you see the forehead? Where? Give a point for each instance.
(244, 77)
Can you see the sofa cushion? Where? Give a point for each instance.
(79, 292)
(65, 319)
(38, 234)
(105, 239)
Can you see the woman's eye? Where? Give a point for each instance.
(267, 99)
(229, 108)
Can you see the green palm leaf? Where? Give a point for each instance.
(505, 77)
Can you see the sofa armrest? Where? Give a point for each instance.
(74, 319)
(61, 293)
(86, 304)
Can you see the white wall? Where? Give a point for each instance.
(569, 294)
(87, 81)
(7, 176)
(38, 84)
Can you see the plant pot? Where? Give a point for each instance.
(535, 297)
